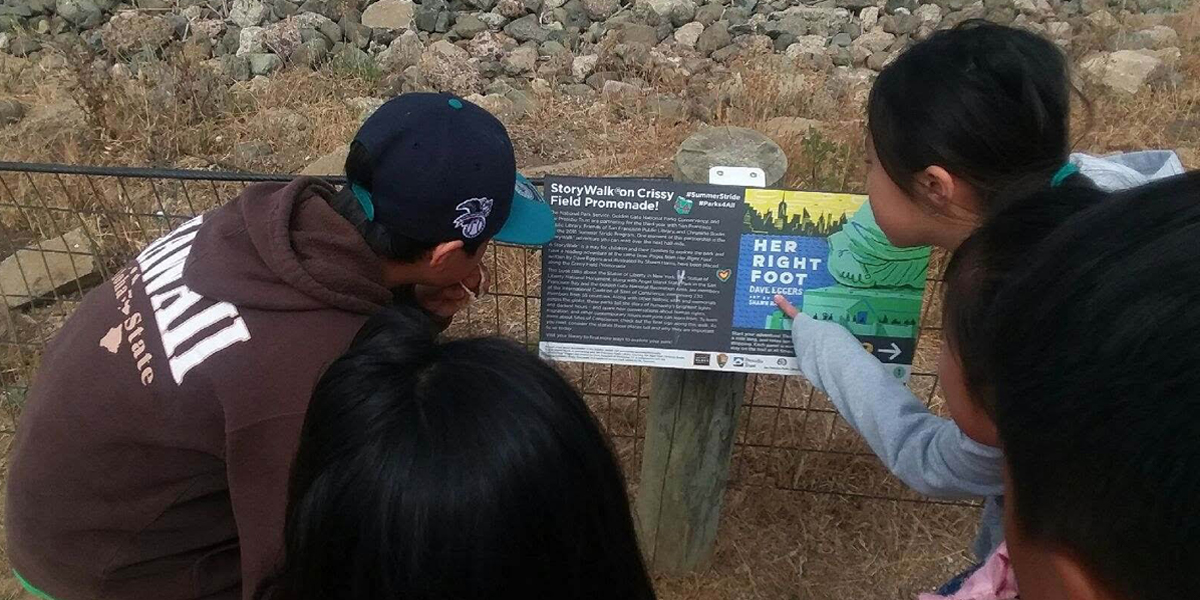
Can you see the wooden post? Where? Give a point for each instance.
(693, 415)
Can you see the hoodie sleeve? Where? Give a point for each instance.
(258, 459)
(928, 453)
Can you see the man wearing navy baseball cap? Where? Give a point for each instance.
(153, 454)
(432, 178)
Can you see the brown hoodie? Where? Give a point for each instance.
(153, 453)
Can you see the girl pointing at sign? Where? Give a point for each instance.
(959, 124)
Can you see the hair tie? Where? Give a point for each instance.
(1063, 173)
(364, 200)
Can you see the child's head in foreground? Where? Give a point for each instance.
(977, 271)
(958, 120)
(463, 469)
(1094, 381)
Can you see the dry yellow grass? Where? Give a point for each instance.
(828, 541)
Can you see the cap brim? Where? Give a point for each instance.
(530, 221)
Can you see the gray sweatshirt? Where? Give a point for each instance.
(928, 453)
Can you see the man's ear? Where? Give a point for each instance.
(1077, 583)
(937, 186)
(443, 251)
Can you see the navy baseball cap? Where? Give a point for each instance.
(443, 169)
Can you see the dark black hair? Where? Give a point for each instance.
(1098, 390)
(382, 240)
(982, 264)
(988, 103)
(460, 470)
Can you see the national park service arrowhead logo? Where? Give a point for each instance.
(112, 340)
(722, 359)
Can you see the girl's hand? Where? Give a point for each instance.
(787, 307)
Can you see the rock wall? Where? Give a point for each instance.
(495, 51)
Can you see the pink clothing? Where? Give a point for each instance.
(992, 581)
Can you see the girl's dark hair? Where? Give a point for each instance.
(1098, 390)
(988, 103)
(458, 470)
(1007, 241)
(382, 240)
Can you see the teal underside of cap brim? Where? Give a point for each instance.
(530, 223)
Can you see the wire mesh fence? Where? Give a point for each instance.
(63, 229)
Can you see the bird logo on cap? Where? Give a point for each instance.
(474, 220)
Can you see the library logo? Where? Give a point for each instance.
(702, 359)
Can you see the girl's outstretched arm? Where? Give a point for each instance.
(928, 453)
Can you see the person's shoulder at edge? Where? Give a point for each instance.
(1128, 169)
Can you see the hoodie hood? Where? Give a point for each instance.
(282, 247)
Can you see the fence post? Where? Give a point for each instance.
(692, 418)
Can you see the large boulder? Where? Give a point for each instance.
(352, 58)
(528, 28)
(311, 53)
(635, 34)
(1154, 38)
(621, 93)
(491, 46)
(63, 263)
(467, 26)
(1124, 71)
(389, 14)
(500, 106)
(404, 52)
(210, 29)
(676, 12)
(248, 13)
(250, 40)
(448, 68)
(264, 63)
(689, 34)
(521, 61)
(130, 31)
(233, 67)
(810, 51)
(869, 44)
(282, 38)
(512, 9)
(729, 147)
(583, 66)
(11, 111)
(1040, 9)
(715, 37)
(309, 21)
(601, 10)
(816, 20)
(1103, 21)
(333, 163)
(84, 14)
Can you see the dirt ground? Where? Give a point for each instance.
(809, 513)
